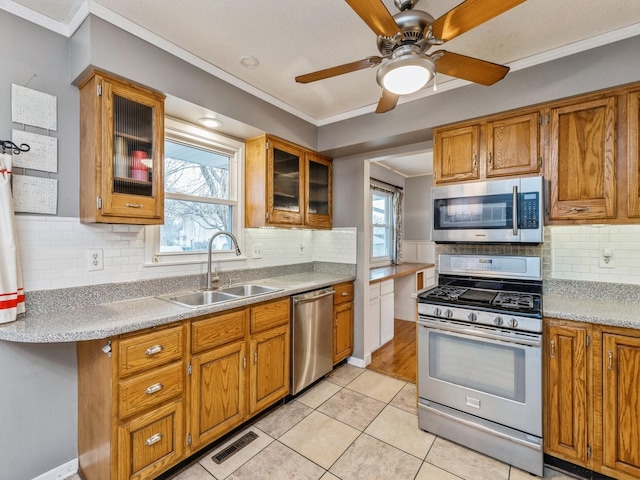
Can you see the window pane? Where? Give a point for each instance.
(380, 247)
(194, 171)
(379, 208)
(188, 226)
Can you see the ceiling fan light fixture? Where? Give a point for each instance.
(406, 74)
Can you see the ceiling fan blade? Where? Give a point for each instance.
(387, 102)
(339, 70)
(469, 14)
(376, 16)
(469, 68)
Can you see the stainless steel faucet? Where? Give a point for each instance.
(210, 278)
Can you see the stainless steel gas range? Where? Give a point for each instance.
(479, 357)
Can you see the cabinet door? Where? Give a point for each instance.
(151, 443)
(566, 393)
(217, 392)
(386, 317)
(456, 154)
(342, 331)
(582, 160)
(318, 191)
(269, 371)
(512, 146)
(285, 183)
(621, 403)
(633, 144)
(122, 152)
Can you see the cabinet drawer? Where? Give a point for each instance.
(374, 290)
(268, 315)
(386, 287)
(344, 293)
(217, 330)
(148, 389)
(150, 349)
(151, 443)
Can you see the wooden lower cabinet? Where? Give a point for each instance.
(342, 321)
(592, 400)
(164, 393)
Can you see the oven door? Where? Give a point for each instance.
(486, 372)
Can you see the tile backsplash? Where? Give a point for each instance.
(53, 251)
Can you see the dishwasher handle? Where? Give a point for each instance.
(306, 298)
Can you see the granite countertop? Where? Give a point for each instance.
(380, 274)
(592, 302)
(113, 318)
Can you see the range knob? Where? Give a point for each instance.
(513, 323)
(448, 313)
(472, 317)
(437, 312)
(498, 321)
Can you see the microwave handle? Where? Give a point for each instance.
(515, 210)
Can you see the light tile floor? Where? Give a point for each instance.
(355, 424)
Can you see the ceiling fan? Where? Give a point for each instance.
(404, 40)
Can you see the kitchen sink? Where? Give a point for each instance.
(248, 290)
(205, 298)
(199, 299)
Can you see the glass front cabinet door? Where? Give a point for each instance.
(121, 145)
(286, 185)
(318, 184)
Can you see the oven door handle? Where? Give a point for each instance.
(475, 332)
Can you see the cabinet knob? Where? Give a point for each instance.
(156, 387)
(153, 439)
(154, 350)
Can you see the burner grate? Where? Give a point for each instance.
(518, 301)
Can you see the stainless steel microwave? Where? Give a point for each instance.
(494, 211)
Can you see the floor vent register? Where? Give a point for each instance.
(234, 448)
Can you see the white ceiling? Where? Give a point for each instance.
(294, 37)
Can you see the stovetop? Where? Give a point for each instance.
(508, 296)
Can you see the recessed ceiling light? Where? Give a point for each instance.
(249, 62)
(210, 122)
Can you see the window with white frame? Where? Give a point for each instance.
(202, 172)
(382, 226)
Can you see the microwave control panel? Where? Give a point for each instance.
(529, 210)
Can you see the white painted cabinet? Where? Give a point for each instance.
(381, 301)
(405, 287)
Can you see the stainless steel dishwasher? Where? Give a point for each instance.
(311, 337)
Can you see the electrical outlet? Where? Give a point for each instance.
(95, 260)
(606, 258)
(257, 251)
(301, 248)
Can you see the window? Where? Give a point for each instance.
(202, 187)
(382, 227)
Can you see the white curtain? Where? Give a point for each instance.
(11, 290)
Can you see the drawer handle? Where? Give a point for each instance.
(344, 294)
(579, 209)
(153, 350)
(156, 387)
(133, 205)
(255, 357)
(153, 439)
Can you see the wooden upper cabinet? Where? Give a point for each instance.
(286, 185)
(633, 160)
(582, 160)
(455, 155)
(121, 152)
(513, 146)
(318, 194)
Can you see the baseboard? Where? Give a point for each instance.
(358, 362)
(61, 472)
